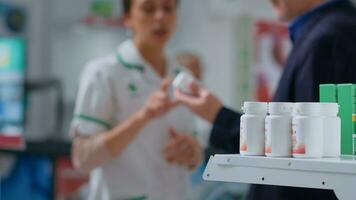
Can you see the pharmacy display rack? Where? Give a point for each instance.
(338, 174)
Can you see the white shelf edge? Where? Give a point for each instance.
(235, 168)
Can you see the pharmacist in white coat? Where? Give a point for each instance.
(136, 142)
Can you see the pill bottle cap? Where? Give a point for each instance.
(316, 109)
(280, 108)
(307, 109)
(329, 109)
(251, 107)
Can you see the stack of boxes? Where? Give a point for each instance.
(345, 96)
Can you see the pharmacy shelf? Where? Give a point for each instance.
(338, 174)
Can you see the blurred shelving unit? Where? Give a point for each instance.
(86, 30)
(235, 8)
(338, 174)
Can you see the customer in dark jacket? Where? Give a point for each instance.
(324, 51)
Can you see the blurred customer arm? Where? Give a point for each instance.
(225, 133)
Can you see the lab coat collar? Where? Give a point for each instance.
(129, 56)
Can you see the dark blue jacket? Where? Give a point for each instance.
(325, 52)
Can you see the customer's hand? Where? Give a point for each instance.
(183, 150)
(202, 102)
(159, 102)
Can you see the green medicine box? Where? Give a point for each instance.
(346, 98)
(328, 93)
(354, 133)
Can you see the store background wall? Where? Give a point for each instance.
(73, 44)
(210, 37)
(203, 28)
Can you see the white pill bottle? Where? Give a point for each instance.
(252, 129)
(182, 81)
(307, 126)
(278, 130)
(331, 130)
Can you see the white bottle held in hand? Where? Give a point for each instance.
(278, 127)
(182, 81)
(252, 129)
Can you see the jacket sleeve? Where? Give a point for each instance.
(225, 133)
(332, 59)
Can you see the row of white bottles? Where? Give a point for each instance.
(308, 130)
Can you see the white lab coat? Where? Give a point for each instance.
(111, 89)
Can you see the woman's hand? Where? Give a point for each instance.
(159, 102)
(183, 149)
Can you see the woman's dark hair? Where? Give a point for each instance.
(127, 5)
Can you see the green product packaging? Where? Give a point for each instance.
(328, 93)
(354, 123)
(346, 100)
(354, 133)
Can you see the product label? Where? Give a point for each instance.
(243, 144)
(268, 142)
(298, 140)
